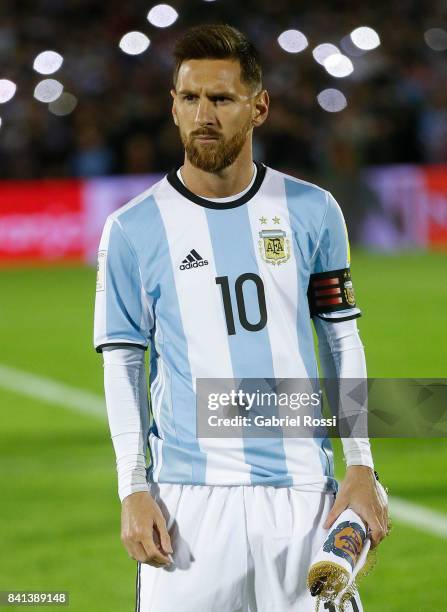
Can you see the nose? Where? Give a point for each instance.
(204, 114)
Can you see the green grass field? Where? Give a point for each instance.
(59, 510)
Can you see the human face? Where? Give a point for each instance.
(214, 111)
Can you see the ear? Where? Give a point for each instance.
(174, 110)
(261, 108)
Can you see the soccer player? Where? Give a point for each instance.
(210, 269)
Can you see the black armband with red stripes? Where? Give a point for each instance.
(330, 291)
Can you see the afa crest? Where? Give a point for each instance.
(346, 541)
(348, 288)
(274, 246)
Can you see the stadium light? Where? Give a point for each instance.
(134, 43)
(48, 90)
(323, 51)
(436, 39)
(292, 41)
(48, 62)
(365, 38)
(338, 65)
(162, 15)
(348, 47)
(7, 90)
(332, 100)
(64, 105)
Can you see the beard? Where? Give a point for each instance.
(217, 155)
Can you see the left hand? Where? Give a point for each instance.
(359, 492)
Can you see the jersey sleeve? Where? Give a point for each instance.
(331, 292)
(123, 311)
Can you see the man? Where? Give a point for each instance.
(210, 268)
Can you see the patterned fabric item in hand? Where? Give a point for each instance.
(344, 557)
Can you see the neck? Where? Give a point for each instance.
(226, 182)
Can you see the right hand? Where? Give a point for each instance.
(143, 530)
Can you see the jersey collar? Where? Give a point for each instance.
(175, 182)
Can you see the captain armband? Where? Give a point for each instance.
(330, 291)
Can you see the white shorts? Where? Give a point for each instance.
(236, 549)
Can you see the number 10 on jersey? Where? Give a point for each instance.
(248, 277)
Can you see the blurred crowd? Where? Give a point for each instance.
(397, 94)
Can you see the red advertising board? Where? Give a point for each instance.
(41, 221)
(436, 185)
(60, 221)
(56, 221)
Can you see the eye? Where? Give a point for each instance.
(189, 97)
(220, 99)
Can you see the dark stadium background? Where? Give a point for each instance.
(383, 156)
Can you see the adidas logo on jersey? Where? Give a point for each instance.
(193, 260)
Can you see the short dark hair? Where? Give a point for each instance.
(219, 41)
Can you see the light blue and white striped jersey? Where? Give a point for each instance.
(219, 290)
